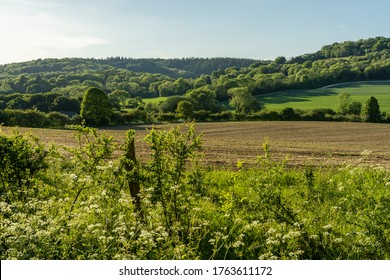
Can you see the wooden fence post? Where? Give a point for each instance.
(130, 166)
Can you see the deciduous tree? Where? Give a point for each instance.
(185, 109)
(242, 100)
(95, 107)
(371, 111)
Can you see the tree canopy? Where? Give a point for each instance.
(59, 85)
(242, 100)
(95, 107)
(371, 111)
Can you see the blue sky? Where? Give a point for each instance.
(260, 29)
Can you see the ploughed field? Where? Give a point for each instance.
(225, 143)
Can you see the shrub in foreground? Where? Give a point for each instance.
(85, 208)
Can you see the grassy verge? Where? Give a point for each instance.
(79, 206)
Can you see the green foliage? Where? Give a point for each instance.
(58, 85)
(131, 165)
(371, 111)
(242, 100)
(203, 98)
(280, 60)
(22, 158)
(347, 106)
(355, 108)
(90, 153)
(76, 205)
(169, 105)
(166, 88)
(134, 116)
(118, 97)
(95, 107)
(344, 101)
(171, 151)
(34, 118)
(185, 109)
(288, 113)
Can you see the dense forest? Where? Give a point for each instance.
(196, 87)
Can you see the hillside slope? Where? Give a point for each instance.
(174, 68)
(58, 84)
(327, 97)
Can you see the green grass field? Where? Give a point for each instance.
(327, 97)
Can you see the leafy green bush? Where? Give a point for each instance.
(22, 158)
(35, 118)
(96, 109)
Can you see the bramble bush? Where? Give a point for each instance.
(77, 203)
(21, 159)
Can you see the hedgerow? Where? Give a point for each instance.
(76, 203)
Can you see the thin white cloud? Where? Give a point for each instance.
(34, 3)
(74, 42)
(40, 35)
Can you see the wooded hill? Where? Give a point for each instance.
(174, 68)
(59, 84)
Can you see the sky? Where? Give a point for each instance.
(258, 29)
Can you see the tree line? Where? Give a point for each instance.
(97, 110)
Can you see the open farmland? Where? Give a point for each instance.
(312, 143)
(327, 97)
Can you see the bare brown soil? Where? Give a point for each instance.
(313, 143)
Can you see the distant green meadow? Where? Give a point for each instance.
(327, 97)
